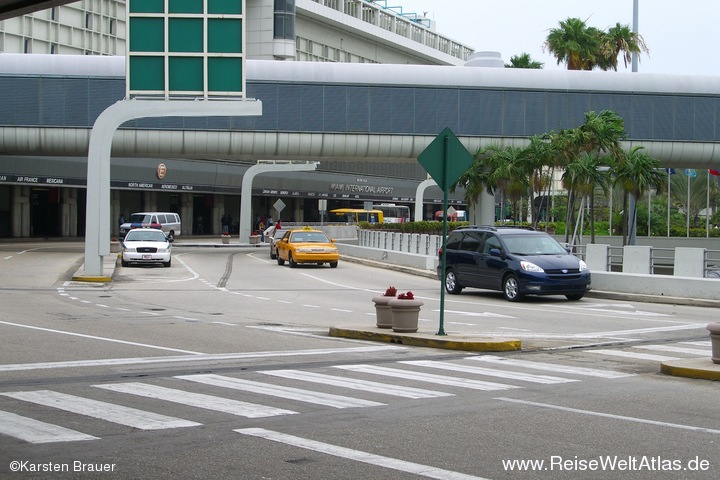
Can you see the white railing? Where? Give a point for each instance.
(412, 27)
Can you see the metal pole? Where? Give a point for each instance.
(707, 208)
(687, 221)
(635, 30)
(668, 204)
(446, 168)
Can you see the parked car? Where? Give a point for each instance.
(306, 246)
(168, 222)
(515, 261)
(146, 245)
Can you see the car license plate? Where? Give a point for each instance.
(147, 257)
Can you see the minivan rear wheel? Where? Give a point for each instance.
(511, 288)
(451, 283)
(574, 296)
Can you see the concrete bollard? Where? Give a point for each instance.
(714, 329)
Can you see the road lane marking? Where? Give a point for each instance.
(427, 377)
(610, 415)
(671, 349)
(35, 431)
(198, 400)
(105, 339)
(672, 328)
(523, 377)
(635, 355)
(357, 455)
(355, 384)
(290, 393)
(109, 412)
(191, 358)
(551, 367)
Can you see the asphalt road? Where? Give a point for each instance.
(221, 367)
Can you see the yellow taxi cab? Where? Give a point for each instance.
(306, 246)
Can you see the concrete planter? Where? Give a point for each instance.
(225, 239)
(405, 315)
(714, 329)
(382, 311)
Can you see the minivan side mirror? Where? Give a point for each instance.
(495, 251)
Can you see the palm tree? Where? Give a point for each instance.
(539, 157)
(584, 48)
(601, 135)
(495, 169)
(581, 178)
(620, 40)
(636, 173)
(574, 43)
(524, 60)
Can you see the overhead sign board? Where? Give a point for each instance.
(185, 48)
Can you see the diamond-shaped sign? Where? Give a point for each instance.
(279, 205)
(445, 155)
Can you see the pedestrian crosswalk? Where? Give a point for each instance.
(660, 352)
(357, 385)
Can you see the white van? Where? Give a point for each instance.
(168, 222)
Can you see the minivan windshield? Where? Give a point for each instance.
(533, 245)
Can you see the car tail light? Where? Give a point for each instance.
(440, 252)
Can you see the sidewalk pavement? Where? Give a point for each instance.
(702, 368)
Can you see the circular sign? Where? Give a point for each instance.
(161, 171)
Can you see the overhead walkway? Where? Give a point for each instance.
(358, 112)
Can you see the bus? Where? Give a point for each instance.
(356, 215)
(394, 213)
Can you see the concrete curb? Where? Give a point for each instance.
(702, 368)
(466, 343)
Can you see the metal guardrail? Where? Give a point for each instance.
(662, 259)
(712, 263)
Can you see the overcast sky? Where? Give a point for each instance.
(683, 36)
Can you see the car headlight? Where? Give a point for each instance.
(530, 267)
(582, 265)
(163, 250)
(130, 249)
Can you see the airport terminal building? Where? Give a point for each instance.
(42, 193)
(362, 113)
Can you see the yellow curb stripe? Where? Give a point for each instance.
(439, 342)
(689, 372)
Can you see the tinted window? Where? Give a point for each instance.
(492, 242)
(162, 219)
(453, 241)
(472, 242)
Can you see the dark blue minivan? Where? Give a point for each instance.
(516, 261)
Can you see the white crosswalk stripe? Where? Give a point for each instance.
(35, 431)
(550, 367)
(634, 355)
(364, 385)
(525, 377)
(427, 377)
(672, 349)
(290, 393)
(110, 412)
(666, 352)
(470, 369)
(199, 400)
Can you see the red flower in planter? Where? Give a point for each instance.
(406, 296)
(390, 292)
